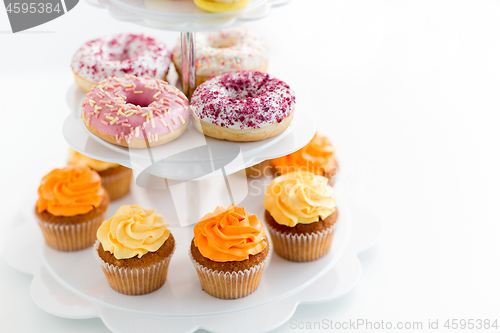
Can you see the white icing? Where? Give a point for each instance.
(243, 100)
(121, 54)
(226, 50)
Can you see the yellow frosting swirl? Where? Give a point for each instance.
(299, 197)
(133, 231)
(318, 157)
(76, 158)
(230, 234)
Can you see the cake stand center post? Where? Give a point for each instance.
(188, 61)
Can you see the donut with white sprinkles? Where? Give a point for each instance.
(135, 112)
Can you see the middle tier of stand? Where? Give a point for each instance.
(193, 156)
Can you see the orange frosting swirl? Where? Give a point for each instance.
(230, 234)
(318, 157)
(80, 159)
(70, 191)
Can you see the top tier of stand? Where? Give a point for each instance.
(192, 156)
(183, 15)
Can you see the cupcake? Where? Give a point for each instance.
(71, 206)
(115, 178)
(318, 157)
(229, 252)
(134, 248)
(300, 214)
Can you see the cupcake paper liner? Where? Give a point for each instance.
(229, 285)
(117, 185)
(71, 237)
(133, 280)
(302, 247)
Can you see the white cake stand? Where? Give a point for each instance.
(71, 284)
(184, 180)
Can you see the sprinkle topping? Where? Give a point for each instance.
(242, 100)
(120, 55)
(128, 114)
(226, 50)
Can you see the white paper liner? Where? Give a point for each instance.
(302, 247)
(132, 280)
(229, 285)
(71, 237)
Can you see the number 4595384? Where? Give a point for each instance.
(470, 324)
(33, 7)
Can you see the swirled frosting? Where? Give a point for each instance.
(76, 158)
(133, 231)
(230, 234)
(299, 197)
(318, 157)
(70, 191)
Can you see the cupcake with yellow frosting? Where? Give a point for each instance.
(301, 212)
(115, 178)
(70, 207)
(134, 248)
(229, 252)
(318, 157)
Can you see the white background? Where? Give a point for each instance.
(407, 90)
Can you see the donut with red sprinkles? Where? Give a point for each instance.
(243, 106)
(118, 55)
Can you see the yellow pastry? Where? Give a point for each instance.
(217, 6)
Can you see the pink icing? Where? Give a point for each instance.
(121, 54)
(241, 100)
(132, 107)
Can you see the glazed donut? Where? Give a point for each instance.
(118, 55)
(243, 106)
(135, 112)
(223, 51)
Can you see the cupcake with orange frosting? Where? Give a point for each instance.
(318, 157)
(134, 248)
(70, 208)
(301, 213)
(229, 252)
(115, 178)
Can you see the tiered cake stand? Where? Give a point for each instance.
(183, 180)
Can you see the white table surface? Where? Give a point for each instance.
(409, 91)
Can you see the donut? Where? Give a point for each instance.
(223, 51)
(243, 106)
(118, 55)
(135, 112)
(217, 6)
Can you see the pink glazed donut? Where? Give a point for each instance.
(243, 106)
(135, 112)
(118, 55)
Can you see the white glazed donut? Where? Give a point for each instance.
(118, 55)
(243, 106)
(135, 112)
(227, 50)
